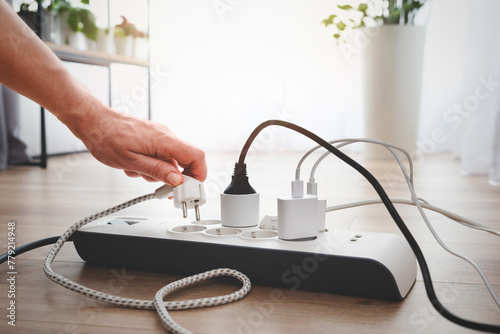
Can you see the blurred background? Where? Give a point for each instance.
(218, 68)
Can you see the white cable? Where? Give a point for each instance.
(417, 203)
(347, 141)
(158, 303)
(459, 219)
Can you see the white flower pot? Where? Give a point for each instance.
(392, 63)
(124, 46)
(104, 41)
(78, 40)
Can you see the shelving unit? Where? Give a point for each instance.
(68, 53)
(71, 54)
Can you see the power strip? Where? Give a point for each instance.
(364, 264)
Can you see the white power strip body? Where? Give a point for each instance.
(365, 264)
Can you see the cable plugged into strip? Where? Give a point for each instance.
(416, 201)
(390, 208)
(240, 201)
(191, 195)
(298, 215)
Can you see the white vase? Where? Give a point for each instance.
(78, 40)
(104, 41)
(392, 64)
(124, 45)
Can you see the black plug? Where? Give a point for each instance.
(239, 183)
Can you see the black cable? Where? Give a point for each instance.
(30, 246)
(429, 288)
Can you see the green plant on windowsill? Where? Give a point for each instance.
(372, 13)
(78, 19)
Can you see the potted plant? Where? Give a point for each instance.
(76, 25)
(389, 36)
(128, 39)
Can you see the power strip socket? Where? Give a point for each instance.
(364, 264)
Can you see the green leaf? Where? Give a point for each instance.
(73, 20)
(89, 27)
(85, 2)
(336, 36)
(345, 7)
(362, 7)
(329, 20)
(80, 19)
(361, 25)
(341, 26)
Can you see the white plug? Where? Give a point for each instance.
(188, 195)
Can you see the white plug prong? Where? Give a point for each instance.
(184, 209)
(197, 212)
(189, 195)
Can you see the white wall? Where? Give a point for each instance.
(221, 67)
(234, 64)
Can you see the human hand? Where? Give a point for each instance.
(139, 147)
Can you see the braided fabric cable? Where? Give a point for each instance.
(169, 323)
(158, 303)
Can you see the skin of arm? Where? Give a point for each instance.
(138, 146)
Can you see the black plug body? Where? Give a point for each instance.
(239, 202)
(239, 182)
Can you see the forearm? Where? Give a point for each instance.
(29, 67)
(138, 146)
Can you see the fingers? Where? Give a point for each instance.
(131, 174)
(187, 156)
(145, 177)
(152, 169)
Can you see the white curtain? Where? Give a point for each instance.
(479, 145)
(461, 91)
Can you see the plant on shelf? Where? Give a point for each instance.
(373, 13)
(127, 28)
(78, 19)
(129, 40)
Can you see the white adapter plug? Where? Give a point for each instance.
(298, 218)
(239, 202)
(239, 210)
(188, 195)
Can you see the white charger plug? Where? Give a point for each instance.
(298, 218)
(188, 195)
(298, 215)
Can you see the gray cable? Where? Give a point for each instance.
(158, 303)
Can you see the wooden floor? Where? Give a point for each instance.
(43, 203)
